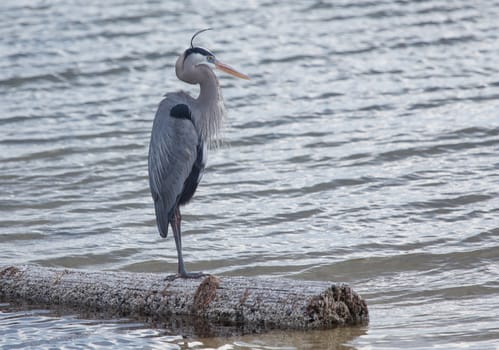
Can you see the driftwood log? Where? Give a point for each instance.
(208, 305)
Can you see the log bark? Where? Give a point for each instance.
(209, 305)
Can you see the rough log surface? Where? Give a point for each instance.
(246, 304)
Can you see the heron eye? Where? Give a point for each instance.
(210, 59)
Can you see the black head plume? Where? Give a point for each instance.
(198, 32)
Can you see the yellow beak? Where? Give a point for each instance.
(228, 69)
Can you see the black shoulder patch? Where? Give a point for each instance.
(181, 111)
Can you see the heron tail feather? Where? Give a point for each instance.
(162, 218)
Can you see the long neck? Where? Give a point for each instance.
(210, 107)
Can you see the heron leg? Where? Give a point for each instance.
(176, 220)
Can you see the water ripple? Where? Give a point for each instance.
(364, 150)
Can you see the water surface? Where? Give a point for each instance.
(363, 150)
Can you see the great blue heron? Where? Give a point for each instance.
(182, 128)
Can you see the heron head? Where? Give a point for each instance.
(196, 56)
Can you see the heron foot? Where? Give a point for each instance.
(193, 275)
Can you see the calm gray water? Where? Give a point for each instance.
(364, 150)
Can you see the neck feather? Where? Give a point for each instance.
(210, 108)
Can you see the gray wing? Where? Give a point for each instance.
(172, 153)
